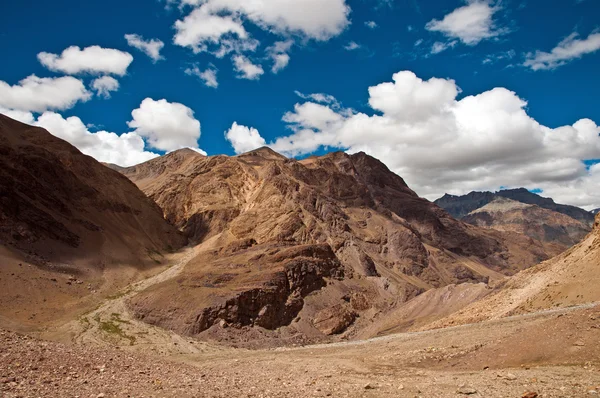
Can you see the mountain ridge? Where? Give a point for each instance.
(460, 206)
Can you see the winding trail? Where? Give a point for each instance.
(112, 323)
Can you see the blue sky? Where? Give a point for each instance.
(336, 48)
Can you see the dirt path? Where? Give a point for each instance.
(113, 324)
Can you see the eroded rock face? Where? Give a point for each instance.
(278, 233)
(292, 273)
(334, 320)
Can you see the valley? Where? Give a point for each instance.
(260, 275)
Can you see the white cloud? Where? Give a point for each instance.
(202, 28)
(94, 60)
(207, 76)
(166, 126)
(470, 24)
(104, 86)
(314, 19)
(320, 98)
(150, 47)
(246, 69)
(219, 26)
(439, 46)
(567, 50)
(501, 56)
(21, 116)
(124, 150)
(39, 94)
(371, 24)
(243, 139)
(351, 46)
(278, 53)
(440, 144)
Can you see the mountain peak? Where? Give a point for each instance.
(264, 152)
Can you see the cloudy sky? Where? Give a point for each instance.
(452, 95)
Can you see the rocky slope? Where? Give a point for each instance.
(308, 248)
(536, 222)
(64, 215)
(571, 278)
(460, 206)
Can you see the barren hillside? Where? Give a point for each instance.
(571, 278)
(65, 219)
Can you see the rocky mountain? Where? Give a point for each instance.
(460, 206)
(534, 221)
(68, 215)
(595, 211)
(304, 249)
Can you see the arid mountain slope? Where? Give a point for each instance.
(316, 245)
(460, 206)
(66, 213)
(571, 278)
(536, 222)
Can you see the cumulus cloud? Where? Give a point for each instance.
(203, 27)
(207, 76)
(470, 24)
(124, 150)
(158, 124)
(167, 126)
(371, 24)
(278, 53)
(104, 85)
(39, 94)
(246, 69)
(440, 144)
(566, 51)
(150, 47)
(21, 116)
(93, 60)
(313, 19)
(243, 139)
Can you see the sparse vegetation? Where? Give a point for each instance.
(113, 327)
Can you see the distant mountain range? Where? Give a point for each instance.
(524, 212)
(460, 206)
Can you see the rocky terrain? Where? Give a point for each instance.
(548, 355)
(531, 220)
(460, 206)
(569, 279)
(295, 251)
(69, 227)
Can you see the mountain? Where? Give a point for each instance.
(62, 213)
(460, 206)
(569, 279)
(534, 221)
(595, 211)
(305, 249)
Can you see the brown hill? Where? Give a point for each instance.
(571, 278)
(536, 222)
(64, 214)
(320, 246)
